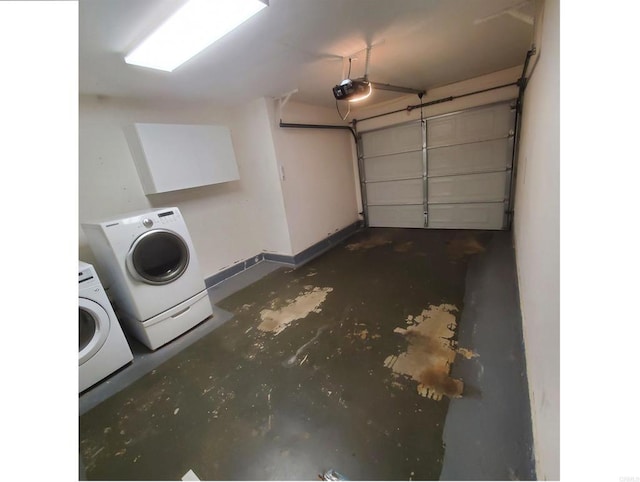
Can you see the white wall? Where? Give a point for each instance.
(319, 187)
(228, 222)
(232, 221)
(255, 145)
(537, 243)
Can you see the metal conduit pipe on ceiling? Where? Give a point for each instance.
(409, 108)
(319, 126)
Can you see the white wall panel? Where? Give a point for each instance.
(396, 216)
(395, 166)
(537, 245)
(402, 138)
(170, 157)
(396, 192)
(394, 156)
(478, 124)
(468, 188)
(475, 157)
(467, 216)
(316, 174)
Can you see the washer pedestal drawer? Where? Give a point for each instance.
(170, 324)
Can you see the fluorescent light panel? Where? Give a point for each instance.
(190, 30)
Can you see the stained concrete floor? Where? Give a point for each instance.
(395, 356)
(144, 360)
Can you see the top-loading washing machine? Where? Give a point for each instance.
(103, 347)
(148, 262)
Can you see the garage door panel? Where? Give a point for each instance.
(467, 216)
(396, 192)
(396, 216)
(465, 182)
(396, 166)
(467, 188)
(407, 137)
(475, 157)
(476, 125)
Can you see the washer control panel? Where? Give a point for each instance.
(156, 220)
(167, 217)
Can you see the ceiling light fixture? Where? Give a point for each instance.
(190, 30)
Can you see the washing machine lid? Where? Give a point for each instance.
(158, 257)
(93, 329)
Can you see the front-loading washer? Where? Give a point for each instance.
(147, 260)
(103, 347)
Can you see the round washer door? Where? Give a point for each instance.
(158, 257)
(93, 328)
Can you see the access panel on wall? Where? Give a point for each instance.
(170, 157)
(455, 174)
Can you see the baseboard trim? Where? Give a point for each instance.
(294, 261)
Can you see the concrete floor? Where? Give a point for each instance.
(395, 356)
(144, 360)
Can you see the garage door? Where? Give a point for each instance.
(456, 174)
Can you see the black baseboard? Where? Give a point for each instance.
(294, 261)
(232, 270)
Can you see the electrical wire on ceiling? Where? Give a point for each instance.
(340, 114)
(348, 103)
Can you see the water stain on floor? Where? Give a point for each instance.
(461, 247)
(403, 247)
(371, 242)
(431, 351)
(304, 354)
(309, 301)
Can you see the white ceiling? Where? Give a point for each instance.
(300, 44)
